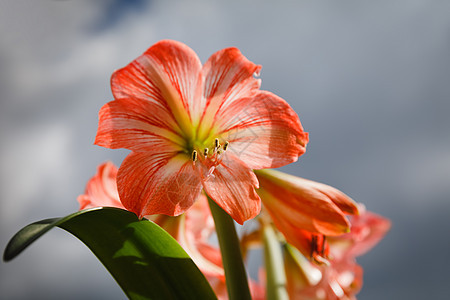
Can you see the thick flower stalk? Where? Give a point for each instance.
(192, 128)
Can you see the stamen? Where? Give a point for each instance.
(194, 155)
(216, 143)
(225, 146)
(322, 250)
(205, 152)
(313, 246)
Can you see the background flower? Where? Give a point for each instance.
(341, 277)
(101, 189)
(193, 230)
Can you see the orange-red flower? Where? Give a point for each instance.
(191, 127)
(305, 211)
(341, 278)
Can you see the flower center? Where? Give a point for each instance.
(205, 160)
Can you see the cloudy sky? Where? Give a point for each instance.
(370, 81)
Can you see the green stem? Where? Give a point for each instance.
(276, 278)
(235, 275)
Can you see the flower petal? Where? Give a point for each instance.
(301, 203)
(157, 184)
(228, 76)
(199, 226)
(314, 214)
(367, 229)
(232, 187)
(300, 272)
(169, 74)
(101, 190)
(263, 131)
(344, 202)
(136, 125)
(349, 276)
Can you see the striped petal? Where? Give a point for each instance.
(168, 74)
(157, 184)
(228, 77)
(303, 204)
(232, 187)
(321, 217)
(263, 131)
(136, 125)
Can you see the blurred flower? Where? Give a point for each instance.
(367, 229)
(191, 127)
(341, 278)
(322, 231)
(305, 211)
(193, 230)
(101, 189)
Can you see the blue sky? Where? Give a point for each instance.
(369, 80)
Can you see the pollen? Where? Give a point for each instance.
(209, 157)
(225, 146)
(319, 251)
(194, 156)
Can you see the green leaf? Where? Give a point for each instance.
(144, 259)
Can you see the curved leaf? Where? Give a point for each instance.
(143, 258)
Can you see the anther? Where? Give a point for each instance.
(314, 246)
(225, 146)
(322, 250)
(194, 155)
(205, 152)
(216, 143)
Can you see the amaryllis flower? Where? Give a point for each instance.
(305, 211)
(341, 277)
(191, 127)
